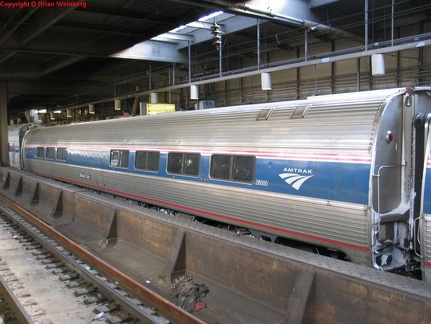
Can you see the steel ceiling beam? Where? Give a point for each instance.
(153, 51)
(243, 9)
(319, 3)
(27, 33)
(411, 43)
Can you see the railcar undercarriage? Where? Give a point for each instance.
(393, 252)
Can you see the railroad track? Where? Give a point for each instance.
(31, 282)
(12, 309)
(72, 264)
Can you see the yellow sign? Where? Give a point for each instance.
(153, 109)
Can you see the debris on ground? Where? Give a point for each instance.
(189, 294)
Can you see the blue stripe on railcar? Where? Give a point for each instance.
(93, 159)
(335, 181)
(29, 153)
(348, 182)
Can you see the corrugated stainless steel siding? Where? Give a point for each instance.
(427, 241)
(426, 248)
(345, 125)
(342, 127)
(346, 223)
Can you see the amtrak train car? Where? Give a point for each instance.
(15, 135)
(346, 175)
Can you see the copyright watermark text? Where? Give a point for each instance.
(47, 4)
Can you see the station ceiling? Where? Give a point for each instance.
(60, 53)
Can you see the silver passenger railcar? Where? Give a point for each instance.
(345, 174)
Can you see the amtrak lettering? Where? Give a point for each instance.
(298, 170)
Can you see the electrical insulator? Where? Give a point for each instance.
(216, 40)
(215, 30)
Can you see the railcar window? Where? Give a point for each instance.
(147, 160)
(233, 167)
(119, 158)
(175, 161)
(243, 168)
(220, 167)
(50, 153)
(40, 152)
(184, 163)
(191, 164)
(62, 153)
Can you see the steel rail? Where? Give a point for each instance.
(164, 307)
(14, 304)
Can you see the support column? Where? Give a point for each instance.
(4, 146)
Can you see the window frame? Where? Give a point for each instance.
(146, 167)
(122, 161)
(182, 168)
(50, 153)
(40, 152)
(237, 170)
(62, 153)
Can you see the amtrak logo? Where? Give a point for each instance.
(295, 177)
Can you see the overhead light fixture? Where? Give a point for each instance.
(377, 64)
(265, 81)
(154, 97)
(117, 104)
(91, 109)
(194, 92)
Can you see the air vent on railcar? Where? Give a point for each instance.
(300, 112)
(264, 114)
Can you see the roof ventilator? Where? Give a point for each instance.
(264, 114)
(299, 112)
